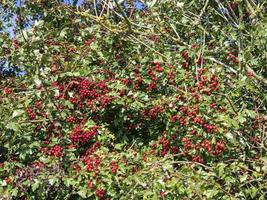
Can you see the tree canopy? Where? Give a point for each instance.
(113, 99)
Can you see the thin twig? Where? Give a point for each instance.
(95, 8)
(124, 16)
(204, 9)
(230, 102)
(222, 64)
(133, 39)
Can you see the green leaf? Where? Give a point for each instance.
(250, 113)
(37, 81)
(17, 113)
(148, 194)
(241, 119)
(243, 178)
(12, 126)
(15, 192)
(3, 183)
(69, 104)
(69, 181)
(82, 193)
(229, 135)
(180, 4)
(52, 181)
(35, 185)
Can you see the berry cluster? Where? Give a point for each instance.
(233, 57)
(8, 90)
(92, 162)
(31, 113)
(113, 165)
(83, 136)
(153, 113)
(56, 151)
(100, 193)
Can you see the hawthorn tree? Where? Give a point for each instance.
(164, 102)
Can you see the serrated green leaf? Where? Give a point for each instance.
(17, 113)
(82, 193)
(12, 126)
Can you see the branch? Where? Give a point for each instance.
(95, 8)
(230, 102)
(136, 40)
(124, 16)
(221, 63)
(204, 9)
(190, 162)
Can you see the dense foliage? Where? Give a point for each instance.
(115, 102)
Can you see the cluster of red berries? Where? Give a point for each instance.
(198, 159)
(91, 159)
(204, 85)
(83, 136)
(38, 164)
(233, 57)
(187, 143)
(220, 147)
(138, 83)
(186, 58)
(31, 113)
(152, 86)
(15, 43)
(166, 144)
(56, 151)
(8, 90)
(174, 118)
(194, 118)
(153, 112)
(206, 144)
(171, 76)
(89, 41)
(250, 74)
(71, 119)
(90, 89)
(151, 73)
(92, 149)
(92, 162)
(113, 165)
(100, 193)
(202, 80)
(210, 128)
(258, 122)
(214, 83)
(36, 110)
(54, 43)
(85, 92)
(38, 104)
(158, 67)
(170, 145)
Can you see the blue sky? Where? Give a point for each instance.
(71, 2)
(137, 3)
